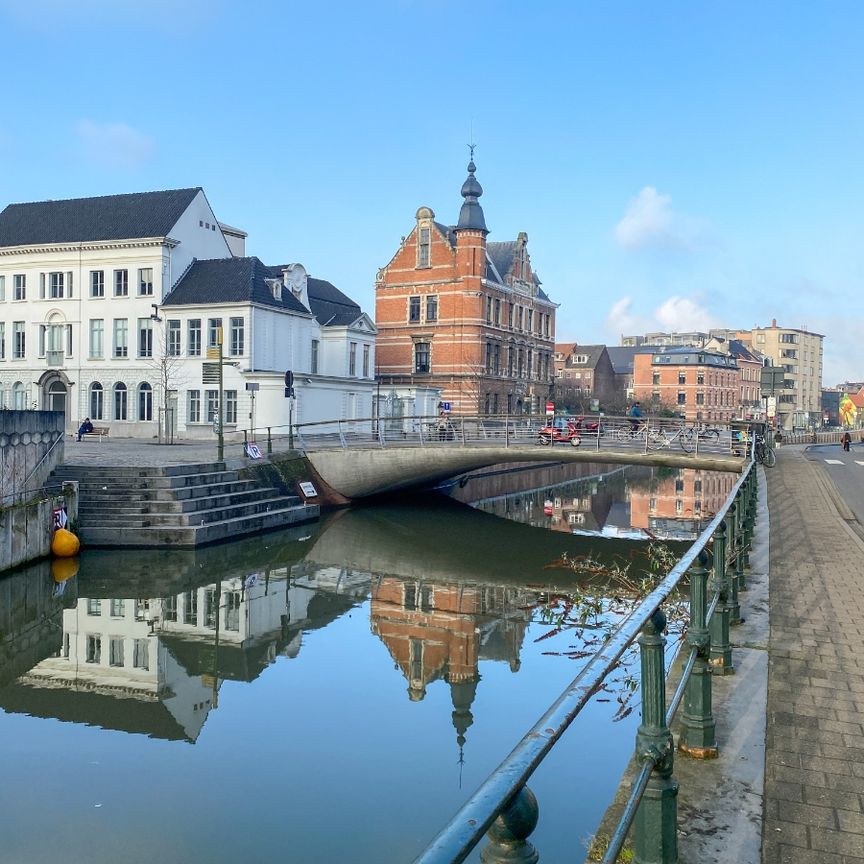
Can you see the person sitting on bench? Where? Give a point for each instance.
(85, 427)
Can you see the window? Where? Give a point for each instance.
(20, 287)
(212, 404)
(169, 608)
(488, 359)
(679, 506)
(700, 378)
(421, 357)
(232, 610)
(145, 402)
(2, 341)
(211, 608)
(510, 315)
(679, 485)
(145, 282)
(432, 307)
(423, 244)
(172, 339)
(518, 317)
(120, 401)
(497, 312)
(488, 310)
(413, 309)
(214, 332)
(190, 607)
(96, 401)
(682, 398)
(410, 597)
(352, 359)
(141, 654)
(118, 608)
(313, 364)
(94, 649)
(194, 410)
(19, 396)
(97, 283)
(121, 283)
(193, 343)
(682, 379)
(230, 406)
(655, 379)
(94, 607)
(238, 337)
(97, 334)
(145, 337)
(121, 337)
(529, 326)
(55, 285)
(19, 342)
(700, 398)
(115, 651)
(366, 361)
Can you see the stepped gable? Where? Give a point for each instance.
(79, 220)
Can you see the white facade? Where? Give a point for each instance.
(80, 331)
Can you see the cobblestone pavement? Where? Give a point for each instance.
(146, 453)
(814, 762)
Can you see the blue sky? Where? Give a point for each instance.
(675, 164)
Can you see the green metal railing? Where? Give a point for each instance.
(505, 810)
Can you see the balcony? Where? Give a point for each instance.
(55, 358)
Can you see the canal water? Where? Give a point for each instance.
(328, 693)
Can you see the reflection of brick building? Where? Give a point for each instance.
(438, 631)
(464, 315)
(682, 501)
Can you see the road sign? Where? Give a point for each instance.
(550, 409)
(289, 378)
(253, 386)
(771, 379)
(445, 407)
(771, 407)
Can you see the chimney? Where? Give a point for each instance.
(773, 322)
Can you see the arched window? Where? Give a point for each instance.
(120, 401)
(18, 396)
(97, 401)
(145, 402)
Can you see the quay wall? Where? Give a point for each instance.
(25, 439)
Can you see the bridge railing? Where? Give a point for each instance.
(598, 432)
(503, 807)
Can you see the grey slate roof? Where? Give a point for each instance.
(447, 231)
(622, 356)
(592, 353)
(231, 280)
(502, 253)
(79, 220)
(242, 280)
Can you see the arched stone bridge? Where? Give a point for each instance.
(360, 458)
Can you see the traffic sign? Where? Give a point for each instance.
(445, 407)
(550, 409)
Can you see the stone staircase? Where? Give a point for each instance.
(176, 505)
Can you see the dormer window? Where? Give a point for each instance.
(424, 242)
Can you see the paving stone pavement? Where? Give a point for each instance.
(814, 759)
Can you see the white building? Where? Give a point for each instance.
(83, 327)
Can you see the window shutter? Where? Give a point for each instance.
(41, 340)
(42, 286)
(69, 333)
(69, 285)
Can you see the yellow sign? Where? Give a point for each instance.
(848, 411)
(212, 353)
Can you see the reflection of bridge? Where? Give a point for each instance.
(366, 457)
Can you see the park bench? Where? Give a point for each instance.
(99, 432)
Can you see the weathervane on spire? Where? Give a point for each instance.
(471, 150)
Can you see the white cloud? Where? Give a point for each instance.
(651, 223)
(115, 144)
(674, 314)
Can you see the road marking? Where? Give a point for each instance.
(836, 462)
(859, 462)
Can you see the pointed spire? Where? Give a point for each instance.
(471, 215)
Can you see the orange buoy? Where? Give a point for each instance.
(65, 544)
(63, 569)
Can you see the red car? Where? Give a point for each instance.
(561, 429)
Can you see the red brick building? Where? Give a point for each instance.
(702, 385)
(465, 315)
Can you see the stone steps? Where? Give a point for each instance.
(176, 506)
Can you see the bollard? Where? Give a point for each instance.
(698, 729)
(269, 443)
(655, 839)
(721, 649)
(508, 835)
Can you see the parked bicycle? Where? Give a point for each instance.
(657, 437)
(763, 453)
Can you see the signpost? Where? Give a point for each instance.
(771, 379)
(289, 395)
(550, 409)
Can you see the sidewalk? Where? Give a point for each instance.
(814, 761)
(145, 453)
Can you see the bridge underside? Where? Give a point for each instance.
(360, 473)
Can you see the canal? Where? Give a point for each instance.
(327, 693)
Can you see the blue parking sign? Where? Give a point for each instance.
(445, 407)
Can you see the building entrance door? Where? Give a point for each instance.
(55, 398)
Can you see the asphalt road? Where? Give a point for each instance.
(846, 471)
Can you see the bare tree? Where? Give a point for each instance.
(166, 364)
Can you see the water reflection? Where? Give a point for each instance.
(635, 502)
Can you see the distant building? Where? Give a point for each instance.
(750, 365)
(701, 385)
(464, 315)
(694, 338)
(582, 373)
(621, 358)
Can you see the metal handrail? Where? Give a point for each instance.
(465, 830)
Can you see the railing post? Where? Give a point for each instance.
(269, 442)
(245, 440)
(462, 423)
(507, 432)
(721, 649)
(698, 738)
(656, 834)
(732, 545)
(741, 541)
(508, 836)
(342, 440)
(380, 432)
